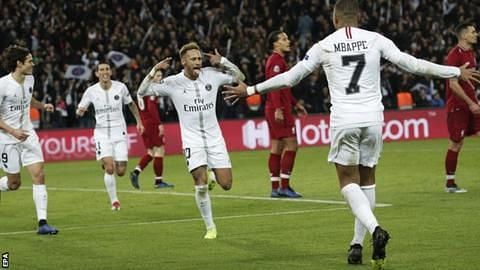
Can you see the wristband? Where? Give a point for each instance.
(251, 90)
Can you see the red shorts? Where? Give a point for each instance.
(280, 130)
(151, 136)
(462, 123)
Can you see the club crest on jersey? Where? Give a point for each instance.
(116, 97)
(208, 87)
(276, 69)
(306, 57)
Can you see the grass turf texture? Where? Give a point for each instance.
(162, 229)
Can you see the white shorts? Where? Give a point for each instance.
(14, 156)
(215, 157)
(108, 148)
(356, 146)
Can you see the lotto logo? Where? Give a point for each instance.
(255, 134)
(5, 260)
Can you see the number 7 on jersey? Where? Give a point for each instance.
(360, 60)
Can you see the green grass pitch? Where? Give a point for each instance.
(163, 229)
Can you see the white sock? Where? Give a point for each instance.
(111, 185)
(4, 183)
(40, 199)
(360, 230)
(360, 206)
(204, 205)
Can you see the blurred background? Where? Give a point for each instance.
(68, 38)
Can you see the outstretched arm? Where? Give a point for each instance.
(218, 60)
(286, 79)
(422, 67)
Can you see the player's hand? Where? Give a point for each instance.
(164, 64)
(474, 108)
(214, 58)
(279, 115)
(20, 134)
(80, 111)
(469, 74)
(300, 109)
(140, 128)
(160, 130)
(232, 93)
(48, 107)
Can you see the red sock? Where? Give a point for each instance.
(288, 161)
(158, 167)
(274, 168)
(144, 161)
(451, 166)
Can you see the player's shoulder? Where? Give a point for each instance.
(275, 58)
(29, 78)
(5, 80)
(455, 51)
(118, 84)
(211, 70)
(94, 87)
(172, 78)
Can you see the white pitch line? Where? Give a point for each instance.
(215, 196)
(102, 226)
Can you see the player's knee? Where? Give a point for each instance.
(121, 172)
(109, 169)
(14, 185)
(226, 185)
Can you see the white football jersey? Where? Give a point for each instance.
(195, 102)
(351, 58)
(108, 104)
(15, 106)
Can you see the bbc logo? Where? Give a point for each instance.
(5, 260)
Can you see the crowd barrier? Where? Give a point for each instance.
(241, 135)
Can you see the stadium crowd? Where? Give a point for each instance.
(61, 33)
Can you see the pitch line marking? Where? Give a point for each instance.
(214, 196)
(173, 221)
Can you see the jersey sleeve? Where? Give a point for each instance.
(411, 64)
(126, 97)
(314, 57)
(86, 99)
(162, 88)
(223, 77)
(274, 68)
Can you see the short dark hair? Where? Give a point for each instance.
(347, 8)
(187, 47)
(13, 54)
(462, 27)
(273, 37)
(102, 63)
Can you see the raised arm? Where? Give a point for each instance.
(218, 60)
(145, 88)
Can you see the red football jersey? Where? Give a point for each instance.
(150, 114)
(282, 98)
(457, 57)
